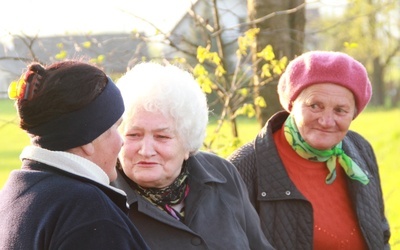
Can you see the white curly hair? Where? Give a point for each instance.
(172, 91)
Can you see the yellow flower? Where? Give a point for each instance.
(16, 90)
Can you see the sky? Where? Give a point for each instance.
(50, 17)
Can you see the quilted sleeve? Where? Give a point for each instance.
(244, 160)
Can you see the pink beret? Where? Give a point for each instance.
(324, 67)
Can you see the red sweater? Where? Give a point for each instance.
(335, 221)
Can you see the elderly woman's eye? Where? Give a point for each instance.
(132, 135)
(341, 110)
(163, 136)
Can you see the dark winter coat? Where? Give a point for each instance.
(286, 215)
(218, 213)
(42, 207)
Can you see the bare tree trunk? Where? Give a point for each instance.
(378, 68)
(285, 32)
(378, 98)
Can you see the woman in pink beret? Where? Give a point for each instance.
(314, 183)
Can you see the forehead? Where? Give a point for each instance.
(327, 90)
(149, 120)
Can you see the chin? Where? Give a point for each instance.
(112, 176)
(321, 145)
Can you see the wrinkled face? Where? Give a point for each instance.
(323, 114)
(106, 148)
(153, 153)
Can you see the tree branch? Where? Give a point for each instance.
(261, 19)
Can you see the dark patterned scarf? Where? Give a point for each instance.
(165, 198)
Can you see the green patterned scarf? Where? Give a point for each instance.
(329, 156)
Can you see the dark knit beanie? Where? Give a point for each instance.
(82, 126)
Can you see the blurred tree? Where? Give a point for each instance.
(372, 33)
(379, 44)
(234, 90)
(231, 55)
(282, 25)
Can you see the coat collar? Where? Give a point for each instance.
(196, 166)
(70, 163)
(274, 182)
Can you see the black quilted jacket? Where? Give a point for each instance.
(286, 215)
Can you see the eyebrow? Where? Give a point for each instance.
(154, 130)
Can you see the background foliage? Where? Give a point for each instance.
(237, 67)
(379, 126)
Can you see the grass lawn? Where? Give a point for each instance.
(12, 139)
(380, 127)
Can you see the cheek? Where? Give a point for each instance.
(299, 115)
(126, 151)
(126, 159)
(344, 125)
(301, 122)
(118, 142)
(305, 124)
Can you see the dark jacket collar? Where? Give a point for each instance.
(274, 182)
(116, 197)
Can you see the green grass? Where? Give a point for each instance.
(380, 127)
(12, 140)
(382, 130)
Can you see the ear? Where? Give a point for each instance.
(187, 155)
(88, 149)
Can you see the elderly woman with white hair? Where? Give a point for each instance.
(179, 198)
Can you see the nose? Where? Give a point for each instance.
(146, 148)
(327, 119)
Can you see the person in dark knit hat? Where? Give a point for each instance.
(61, 197)
(315, 183)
